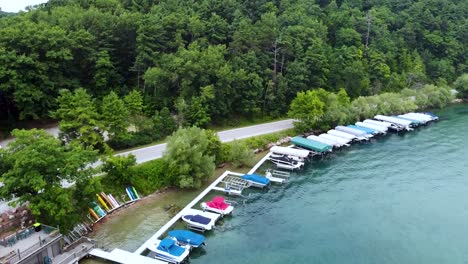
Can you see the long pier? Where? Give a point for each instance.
(171, 222)
(125, 257)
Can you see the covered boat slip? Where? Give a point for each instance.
(414, 122)
(324, 141)
(301, 153)
(405, 124)
(361, 135)
(369, 131)
(313, 145)
(340, 141)
(379, 129)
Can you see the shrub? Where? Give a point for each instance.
(240, 154)
(188, 157)
(150, 176)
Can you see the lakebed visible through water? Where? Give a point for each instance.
(399, 199)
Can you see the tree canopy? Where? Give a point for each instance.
(211, 60)
(33, 169)
(189, 156)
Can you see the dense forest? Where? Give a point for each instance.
(218, 59)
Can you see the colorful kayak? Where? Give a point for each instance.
(101, 201)
(129, 193)
(93, 214)
(106, 199)
(135, 192)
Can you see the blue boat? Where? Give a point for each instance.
(186, 237)
(167, 250)
(365, 129)
(256, 180)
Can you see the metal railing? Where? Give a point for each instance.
(51, 233)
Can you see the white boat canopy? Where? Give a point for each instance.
(380, 129)
(341, 134)
(302, 153)
(352, 131)
(338, 140)
(398, 121)
(324, 141)
(378, 123)
(420, 117)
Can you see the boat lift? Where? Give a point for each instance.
(277, 176)
(233, 185)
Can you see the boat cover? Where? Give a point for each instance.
(187, 237)
(413, 121)
(256, 178)
(310, 144)
(198, 219)
(168, 245)
(365, 129)
(218, 203)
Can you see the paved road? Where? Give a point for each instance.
(156, 151)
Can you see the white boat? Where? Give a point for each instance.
(401, 122)
(338, 140)
(301, 154)
(218, 205)
(379, 129)
(323, 140)
(341, 134)
(199, 220)
(294, 158)
(284, 162)
(169, 251)
(361, 135)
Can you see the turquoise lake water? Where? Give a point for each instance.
(398, 199)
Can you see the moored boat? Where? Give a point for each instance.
(187, 237)
(218, 205)
(256, 180)
(169, 251)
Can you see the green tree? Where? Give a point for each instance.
(240, 154)
(105, 73)
(118, 168)
(79, 119)
(461, 85)
(187, 157)
(307, 109)
(35, 164)
(114, 115)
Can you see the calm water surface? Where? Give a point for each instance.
(399, 199)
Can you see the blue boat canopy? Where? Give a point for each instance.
(365, 129)
(187, 237)
(256, 178)
(169, 246)
(310, 144)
